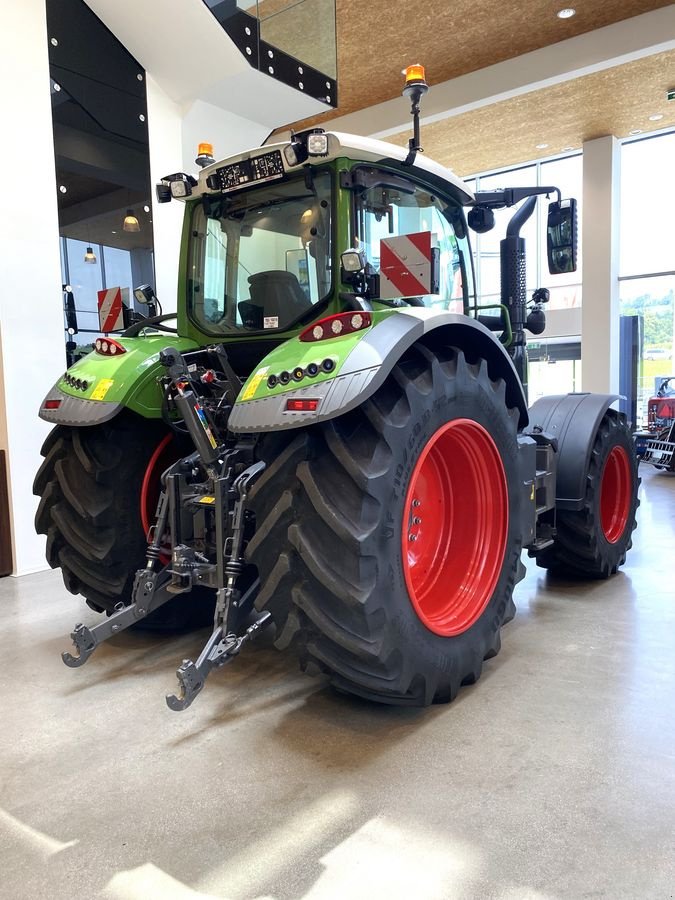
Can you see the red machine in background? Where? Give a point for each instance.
(656, 445)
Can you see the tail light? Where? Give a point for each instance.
(109, 347)
(51, 404)
(302, 405)
(336, 326)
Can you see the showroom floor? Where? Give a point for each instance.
(553, 776)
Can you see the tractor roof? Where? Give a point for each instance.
(354, 147)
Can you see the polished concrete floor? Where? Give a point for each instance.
(552, 777)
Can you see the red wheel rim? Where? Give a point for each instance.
(161, 459)
(455, 525)
(615, 494)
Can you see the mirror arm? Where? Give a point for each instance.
(511, 196)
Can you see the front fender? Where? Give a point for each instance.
(573, 420)
(362, 363)
(97, 387)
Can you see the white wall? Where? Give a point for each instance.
(165, 135)
(31, 318)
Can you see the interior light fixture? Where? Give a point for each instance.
(90, 256)
(131, 222)
(566, 13)
(566, 149)
(656, 117)
(635, 131)
(542, 146)
(146, 208)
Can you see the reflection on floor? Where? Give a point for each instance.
(553, 777)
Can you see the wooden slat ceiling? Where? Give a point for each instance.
(615, 101)
(377, 39)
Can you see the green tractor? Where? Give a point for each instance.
(335, 436)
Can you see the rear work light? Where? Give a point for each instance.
(336, 326)
(109, 347)
(52, 404)
(302, 405)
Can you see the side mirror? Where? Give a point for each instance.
(561, 240)
(144, 294)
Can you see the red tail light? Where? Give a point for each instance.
(302, 405)
(52, 404)
(109, 347)
(336, 326)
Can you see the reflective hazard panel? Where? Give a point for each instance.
(111, 308)
(409, 265)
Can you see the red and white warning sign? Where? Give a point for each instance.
(409, 265)
(111, 308)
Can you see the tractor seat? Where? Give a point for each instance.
(274, 294)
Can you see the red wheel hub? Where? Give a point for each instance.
(455, 525)
(616, 492)
(165, 454)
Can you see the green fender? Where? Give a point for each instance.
(98, 387)
(361, 363)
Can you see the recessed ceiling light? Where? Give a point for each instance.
(146, 209)
(566, 13)
(63, 188)
(656, 117)
(542, 146)
(635, 131)
(566, 149)
(114, 232)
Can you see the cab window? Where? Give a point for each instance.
(385, 212)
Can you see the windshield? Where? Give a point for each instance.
(260, 260)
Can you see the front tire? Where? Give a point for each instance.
(593, 542)
(335, 515)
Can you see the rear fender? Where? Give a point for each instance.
(98, 387)
(573, 420)
(365, 368)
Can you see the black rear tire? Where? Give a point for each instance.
(90, 494)
(585, 546)
(328, 543)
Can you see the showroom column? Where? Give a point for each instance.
(600, 275)
(32, 351)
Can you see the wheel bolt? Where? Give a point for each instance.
(416, 503)
(412, 537)
(417, 520)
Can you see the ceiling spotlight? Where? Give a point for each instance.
(131, 222)
(566, 13)
(542, 146)
(656, 117)
(90, 256)
(635, 131)
(63, 188)
(146, 208)
(566, 149)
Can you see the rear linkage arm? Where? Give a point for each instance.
(149, 594)
(152, 589)
(222, 646)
